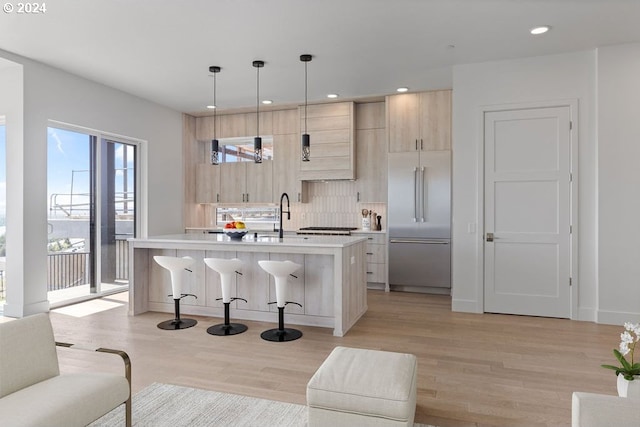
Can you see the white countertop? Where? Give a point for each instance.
(271, 232)
(250, 240)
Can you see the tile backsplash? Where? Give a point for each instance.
(333, 204)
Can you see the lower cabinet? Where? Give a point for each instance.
(253, 284)
(376, 251)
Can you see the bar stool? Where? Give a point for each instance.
(280, 270)
(225, 268)
(175, 265)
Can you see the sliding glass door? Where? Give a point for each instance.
(91, 202)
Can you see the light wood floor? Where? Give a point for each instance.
(474, 369)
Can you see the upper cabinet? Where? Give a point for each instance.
(246, 182)
(371, 142)
(332, 131)
(207, 183)
(286, 155)
(233, 125)
(419, 121)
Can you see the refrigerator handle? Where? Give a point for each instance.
(415, 194)
(420, 241)
(423, 189)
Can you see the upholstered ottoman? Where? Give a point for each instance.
(358, 387)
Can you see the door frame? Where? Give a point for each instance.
(573, 203)
(141, 182)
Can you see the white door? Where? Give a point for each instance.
(527, 212)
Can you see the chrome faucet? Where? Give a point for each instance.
(280, 233)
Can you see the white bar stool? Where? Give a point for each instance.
(175, 265)
(280, 270)
(226, 268)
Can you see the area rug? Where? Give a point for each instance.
(160, 405)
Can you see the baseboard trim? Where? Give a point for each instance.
(465, 306)
(616, 317)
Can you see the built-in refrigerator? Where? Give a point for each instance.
(419, 224)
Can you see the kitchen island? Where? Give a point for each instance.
(330, 285)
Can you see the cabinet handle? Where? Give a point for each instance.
(243, 197)
(369, 272)
(369, 253)
(416, 144)
(299, 197)
(218, 197)
(421, 145)
(247, 197)
(358, 196)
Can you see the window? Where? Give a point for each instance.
(240, 149)
(255, 218)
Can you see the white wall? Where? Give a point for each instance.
(619, 183)
(540, 79)
(51, 94)
(12, 107)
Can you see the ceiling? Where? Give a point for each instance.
(161, 50)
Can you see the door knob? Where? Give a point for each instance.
(489, 237)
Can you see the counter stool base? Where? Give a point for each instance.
(281, 335)
(229, 329)
(174, 324)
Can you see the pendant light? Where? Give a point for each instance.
(257, 141)
(306, 142)
(215, 149)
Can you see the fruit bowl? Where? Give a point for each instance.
(235, 233)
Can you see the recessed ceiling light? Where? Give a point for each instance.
(402, 89)
(540, 30)
(267, 102)
(211, 107)
(332, 95)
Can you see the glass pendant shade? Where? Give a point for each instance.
(306, 147)
(257, 149)
(215, 152)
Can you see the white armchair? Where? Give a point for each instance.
(33, 392)
(599, 410)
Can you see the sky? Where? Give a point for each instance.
(68, 162)
(67, 151)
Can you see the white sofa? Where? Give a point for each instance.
(599, 410)
(34, 394)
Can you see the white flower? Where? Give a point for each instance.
(625, 340)
(626, 337)
(635, 328)
(624, 348)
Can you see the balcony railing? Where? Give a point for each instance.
(69, 269)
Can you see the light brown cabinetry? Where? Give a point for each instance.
(286, 155)
(371, 157)
(419, 121)
(246, 182)
(207, 183)
(233, 125)
(332, 131)
(376, 252)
